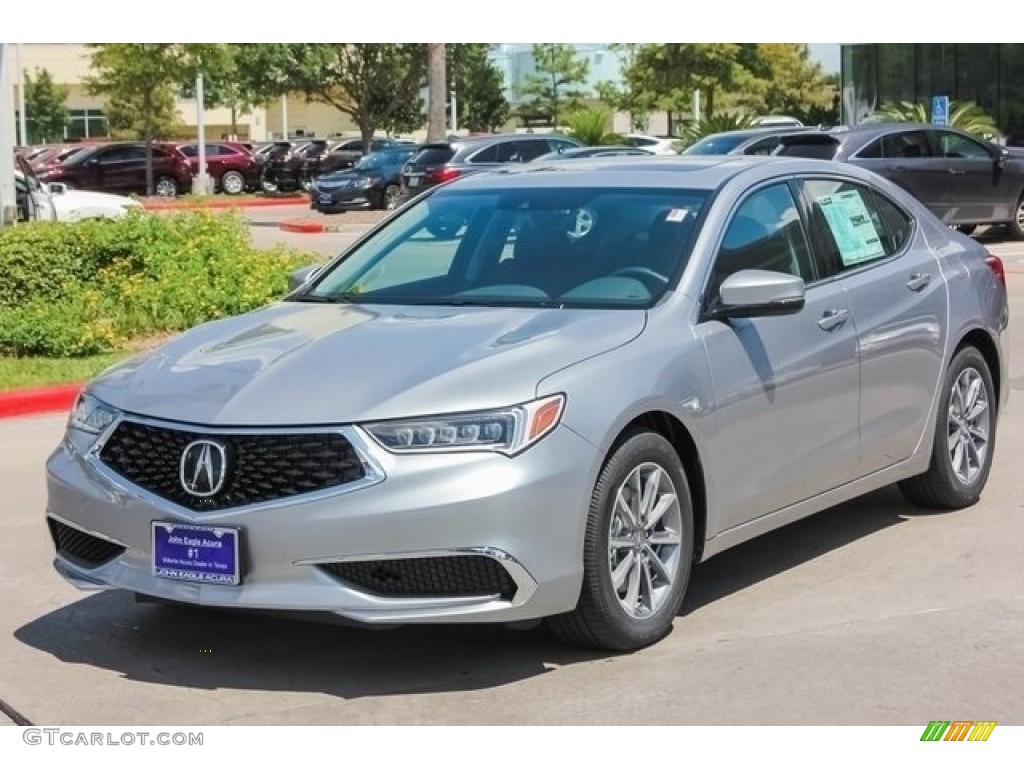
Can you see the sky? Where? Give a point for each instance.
(827, 54)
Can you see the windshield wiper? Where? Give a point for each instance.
(330, 298)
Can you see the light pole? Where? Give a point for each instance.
(201, 182)
(8, 198)
(22, 120)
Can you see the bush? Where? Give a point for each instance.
(78, 289)
(590, 127)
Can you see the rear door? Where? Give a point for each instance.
(872, 248)
(909, 158)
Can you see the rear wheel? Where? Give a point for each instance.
(967, 229)
(233, 183)
(965, 430)
(638, 549)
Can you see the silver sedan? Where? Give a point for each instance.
(546, 394)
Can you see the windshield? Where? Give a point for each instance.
(559, 247)
(716, 145)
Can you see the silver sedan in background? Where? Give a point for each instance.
(546, 393)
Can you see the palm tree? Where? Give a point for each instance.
(965, 115)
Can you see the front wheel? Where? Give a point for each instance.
(267, 184)
(1016, 226)
(638, 549)
(389, 197)
(965, 430)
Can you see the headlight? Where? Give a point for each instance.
(366, 181)
(91, 416)
(507, 430)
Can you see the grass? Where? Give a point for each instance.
(31, 372)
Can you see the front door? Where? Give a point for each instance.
(786, 387)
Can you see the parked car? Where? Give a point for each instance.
(658, 145)
(963, 180)
(373, 182)
(611, 150)
(55, 202)
(57, 156)
(777, 121)
(610, 373)
(121, 167)
(281, 166)
(231, 166)
(345, 154)
(446, 160)
(748, 141)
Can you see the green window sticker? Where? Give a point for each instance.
(854, 231)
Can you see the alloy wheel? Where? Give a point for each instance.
(968, 425)
(644, 540)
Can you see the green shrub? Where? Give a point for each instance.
(590, 127)
(78, 289)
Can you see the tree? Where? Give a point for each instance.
(479, 87)
(376, 84)
(628, 95)
(437, 92)
(782, 79)
(139, 81)
(670, 73)
(46, 111)
(558, 70)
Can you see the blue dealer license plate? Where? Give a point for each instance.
(325, 200)
(203, 553)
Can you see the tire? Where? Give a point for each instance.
(1016, 225)
(962, 451)
(967, 229)
(306, 183)
(232, 183)
(389, 197)
(166, 186)
(639, 609)
(267, 185)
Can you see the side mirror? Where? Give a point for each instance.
(57, 188)
(1004, 153)
(758, 293)
(300, 277)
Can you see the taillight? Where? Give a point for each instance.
(441, 175)
(996, 265)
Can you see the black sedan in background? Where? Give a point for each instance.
(373, 182)
(964, 180)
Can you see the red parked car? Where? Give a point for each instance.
(120, 167)
(230, 164)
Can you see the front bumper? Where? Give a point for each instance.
(343, 200)
(527, 514)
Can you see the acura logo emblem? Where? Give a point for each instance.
(204, 466)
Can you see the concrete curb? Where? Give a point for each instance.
(28, 402)
(306, 226)
(225, 203)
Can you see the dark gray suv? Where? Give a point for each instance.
(964, 180)
(443, 161)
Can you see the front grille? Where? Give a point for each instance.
(259, 467)
(81, 548)
(458, 576)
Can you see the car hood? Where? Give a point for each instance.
(299, 363)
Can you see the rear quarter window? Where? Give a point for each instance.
(434, 156)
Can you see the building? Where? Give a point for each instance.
(989, 74)
(68, 64)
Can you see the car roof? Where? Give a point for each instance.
(707, 172)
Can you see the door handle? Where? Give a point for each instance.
(833, 319)
(955, 172)
(919, 281)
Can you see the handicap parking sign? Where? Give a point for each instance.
(940, 110)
